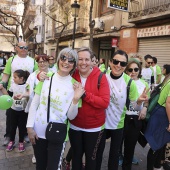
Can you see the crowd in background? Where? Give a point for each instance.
(90, 102)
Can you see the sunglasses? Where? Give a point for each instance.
(116, 62)
(23, 47)
(131, 69)
(42, 62)
(70, 60)
(150, 62)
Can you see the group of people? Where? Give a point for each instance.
(94, 106)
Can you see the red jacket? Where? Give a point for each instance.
(92, 112)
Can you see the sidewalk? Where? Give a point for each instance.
(22, 161)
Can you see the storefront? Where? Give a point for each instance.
(156, 42)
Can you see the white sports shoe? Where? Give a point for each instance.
(33, 159)
(6, 141)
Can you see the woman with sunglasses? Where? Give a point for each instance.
(52, 64)
(133, 119)
(115, 113)
(63, 100)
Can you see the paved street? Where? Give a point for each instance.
(22, 161)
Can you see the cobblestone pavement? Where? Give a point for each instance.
(22, 161)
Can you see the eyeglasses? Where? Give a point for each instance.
(131, 69)
(70, 60)
(23, 47)
(150, 62)
(116, 62)
(51, 59)
(42, 62)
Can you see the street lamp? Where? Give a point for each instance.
(35, 31)
(75, 10)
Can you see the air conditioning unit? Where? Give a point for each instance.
(99, 24)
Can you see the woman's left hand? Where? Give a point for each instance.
(142, 113)
(143, 97)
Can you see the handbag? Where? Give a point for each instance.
(55, 132)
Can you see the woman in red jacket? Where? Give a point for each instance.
(87, 128)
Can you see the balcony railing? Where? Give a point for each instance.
(81, 27)
(148, 10)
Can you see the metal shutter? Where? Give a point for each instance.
(158, 47)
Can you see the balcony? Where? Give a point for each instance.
(50, 36)
(146, 10)
(81, 28)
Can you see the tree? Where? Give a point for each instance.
(11, 21)
(91, 25)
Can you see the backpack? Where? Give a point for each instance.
(128, 88)
(154, 97)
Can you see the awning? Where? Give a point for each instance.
(113, 34)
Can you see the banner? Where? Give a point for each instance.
(114, 42)
(118, 4)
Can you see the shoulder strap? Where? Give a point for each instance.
(99, 79)
(128, 90)
(12, 60)
(48, 106)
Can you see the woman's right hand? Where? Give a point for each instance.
(32, 135)
(42, 76)
(78, 92)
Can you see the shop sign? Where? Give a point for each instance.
(154, 31)
(114, 42)
(118, 4)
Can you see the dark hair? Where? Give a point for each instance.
(43, 56)
(154, 59)
(103, 60)
(131, 61)
(120, 52)
(22, 73)
(148, 56)
(167, 68)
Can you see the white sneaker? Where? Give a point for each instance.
(26, 139)
(6, 141)
(33, 159)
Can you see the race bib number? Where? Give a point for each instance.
(18, 103)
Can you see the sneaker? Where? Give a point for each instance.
(33, 159)
(120, 160)
(6, 141)
(65, 165)
(21, 147)
(83, 166)
(10, 146)
(26, 139)
(135, 161)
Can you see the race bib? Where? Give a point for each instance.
(18, 103)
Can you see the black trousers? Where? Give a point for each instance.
(8, 123)
(131, 133)
(18, 119)
(48, 155)
(84, 142)
(154, 158)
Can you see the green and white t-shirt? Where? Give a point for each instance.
(141, 84)
(115, 113)
(156, 71)
(60, 100)
(165, 92)
(16, 63)
(17, 89)
(53, 68)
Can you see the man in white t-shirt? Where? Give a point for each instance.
(147, 71)
(20, 61)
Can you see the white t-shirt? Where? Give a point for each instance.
(146, 75)
(115, 113)
(61, 97)
(18, 89)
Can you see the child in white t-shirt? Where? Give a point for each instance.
(18, 116)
